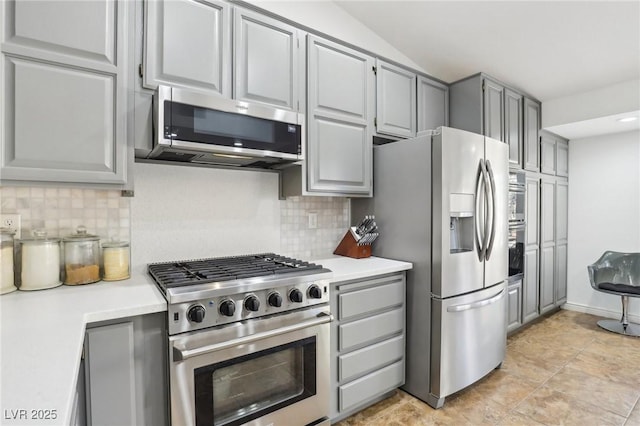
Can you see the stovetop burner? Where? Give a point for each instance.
(184, 273)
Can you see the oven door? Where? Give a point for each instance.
(259, 372)
(516, 249)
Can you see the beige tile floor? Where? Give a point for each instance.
(562, 370)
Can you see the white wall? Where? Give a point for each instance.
(183, 212)
(326, 17)
(604, 214)
(611, 100)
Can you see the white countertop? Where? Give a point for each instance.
(43, 333)
(42, 338)
(347, 268)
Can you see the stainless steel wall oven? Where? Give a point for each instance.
(517, 223)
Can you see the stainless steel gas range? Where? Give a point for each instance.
(248, 340)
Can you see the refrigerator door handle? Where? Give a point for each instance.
(487, 197)
(478, 304)
(492, 182)
(480, 186)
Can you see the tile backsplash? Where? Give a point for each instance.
(61, 210)
(107, 214)
(298, 240)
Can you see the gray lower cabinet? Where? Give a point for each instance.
(340, 94)
(547, 278)
(188, 44)
(513, 126)
(433, 105)
(514, 305)
(562, 239)
(64, 91)
(531, 129)
(268, 58)
(367, 341)
(395, 100)
(125, 372)
(530, 285)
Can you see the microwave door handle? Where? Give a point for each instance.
(478, 236)
(181, 354)
(492, 182)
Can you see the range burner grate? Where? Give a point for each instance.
(201, 271)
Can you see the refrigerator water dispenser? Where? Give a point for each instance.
(461, 221)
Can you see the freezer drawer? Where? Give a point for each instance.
(469, 338)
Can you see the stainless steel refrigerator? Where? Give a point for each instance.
(441, 203)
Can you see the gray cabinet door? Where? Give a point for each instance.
(562, 158)
(547, 278)
(433, 105)
(532, 212)
(562, 211)
(530, 285)
(267, 61)
(110, 377)
(493, 109)
(64, 93)
(513, 126)
(514, 306)
(561, 274)
(530, 135)
(340, 119)
(547, 155)
(547, 212)
(188, 44)
(395, 100)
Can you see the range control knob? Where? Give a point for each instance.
(315, 292)
(227, 308)
(196, 313)
(295, 295)
(251, 303)
(275, 300)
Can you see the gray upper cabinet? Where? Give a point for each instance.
(188, 44)
(554, 154)
(340, 115)
(562, 157)
(64, 91)
(433, 105)
(268, 61)
(395, 100)
(532, 212)
(531, 130)
(547, 155)
(513, 126)
(493, 109)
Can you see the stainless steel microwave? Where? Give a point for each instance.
(195, 127)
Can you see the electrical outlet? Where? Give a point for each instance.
(313, 220)
(11, 221)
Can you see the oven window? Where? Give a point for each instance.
(239, 390)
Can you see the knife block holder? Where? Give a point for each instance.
(349, 247)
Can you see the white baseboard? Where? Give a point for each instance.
(600, 312)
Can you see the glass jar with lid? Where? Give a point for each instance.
(39, 261)
(7, 284)
(81, 257)
(115, 256)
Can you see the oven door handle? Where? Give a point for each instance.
(180, 354)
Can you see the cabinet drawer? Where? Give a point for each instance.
(371, 385)
(370, 299)
(370, 357)
(367, 329)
